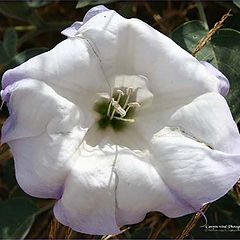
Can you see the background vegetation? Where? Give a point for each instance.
(30, 27)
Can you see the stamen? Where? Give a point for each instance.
(109, 108)
(120, 92)
(125, 119)
(115, 104)
(119, 109)
(129, 92)
(132, 105)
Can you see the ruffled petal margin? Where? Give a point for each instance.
(43, 131)
(88, 202)
(193, 171)
(209, 120)
(138, 49)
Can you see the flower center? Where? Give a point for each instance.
(118, 111)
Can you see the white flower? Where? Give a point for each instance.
(117, 121)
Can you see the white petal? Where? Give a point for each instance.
(43, 131)
(88, 201)
(209, 120)
(93, 12)
(131, 47)
(141, 189)
(72, 30)
(72, 69)
(224, 83)
(139, 86)
(151, 120)
(196, 173)
(35, 108)
(42, 163)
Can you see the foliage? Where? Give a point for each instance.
(237, 3)
(84, 3)
(31, 27)
(16, 217)
(223, 51)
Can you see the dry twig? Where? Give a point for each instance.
(156, 16)
(237, 189)
(209, 35)
(106, 237)
(68, 233)
(54, 225)
(192, 223)
(159, 229)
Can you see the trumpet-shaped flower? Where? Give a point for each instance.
(116, 121)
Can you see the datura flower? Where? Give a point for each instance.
(117, 121)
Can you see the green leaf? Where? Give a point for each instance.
(223, 51)
(188, 35)
(227, 51)
(24, 56)
(21, 11)
(16, 218)
(8, 174)
(17, 9)
(10, 42)
(84, 3)
(3, 55)
(141, 233)
(127, 9)
(38, 3)
(237, 3)
(8, 46)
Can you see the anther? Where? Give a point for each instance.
(120, 92)
(132, 105)
(119, 109)
(116, 105)
(129, 92)
(130, 120)
(109, 108)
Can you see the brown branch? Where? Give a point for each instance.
(237, 190)
(38, 232)
(68, 233)
(192, 223)
(155, 16)
(159, 229)
(106, 237)
(209, 35)
(54, 225)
